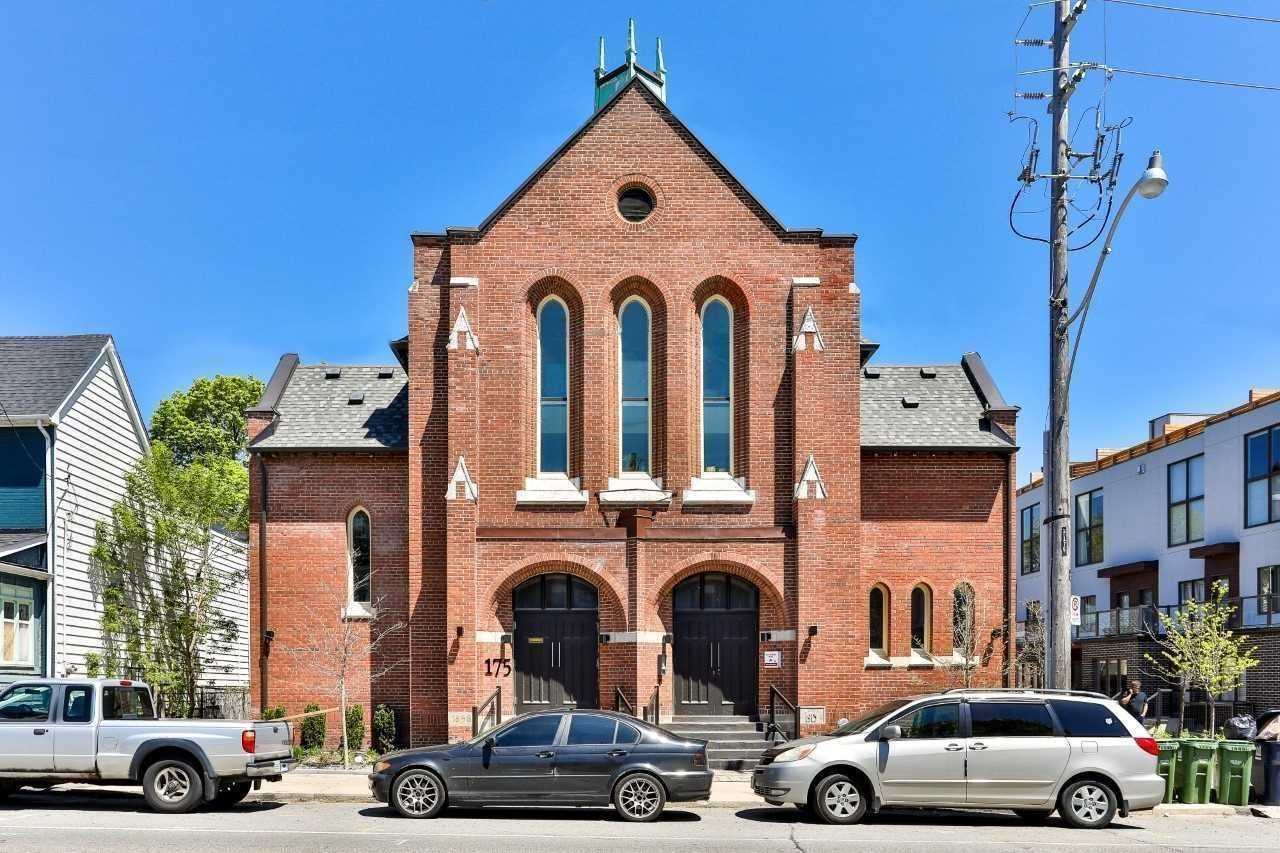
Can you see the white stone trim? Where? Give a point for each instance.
(633, 488)
(551, 489)
(805, 281)
(461, 476)
(464, 281)
(808, 326)
(462, 328)
(853, 287)
(489, 636)
(654, 637)
(359, 610)
(781, 635)
(718, 488)
(875, 660)
(810, 476)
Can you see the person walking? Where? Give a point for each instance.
(1135, 701)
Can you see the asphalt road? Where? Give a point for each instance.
(107, 821)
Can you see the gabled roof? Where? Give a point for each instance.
(13, 541)
(38, 373)
(662, 108)
(940, 407)
(337, 407)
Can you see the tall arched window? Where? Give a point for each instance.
(358, 550)
(553, 387)
(878, 619)
(921, 619)
(964, 619)
(634, 356)
(717, 385)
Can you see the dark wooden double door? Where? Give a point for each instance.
(556, 659)
(715, 662)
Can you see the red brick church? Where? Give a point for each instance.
(633, 453)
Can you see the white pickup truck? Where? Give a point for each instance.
(99, 730)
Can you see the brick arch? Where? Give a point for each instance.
(773, 609)
(644, 288)
(553, 283)
(731, 292)
(612, 612)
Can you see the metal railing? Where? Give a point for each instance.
(488, 714)
(652, 708)
(1248, 612)
(621, 704)
(784, 717)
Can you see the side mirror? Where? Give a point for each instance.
(891, 733)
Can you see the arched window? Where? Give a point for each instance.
(634, 357)
(964, 619)
(717, 385)
(921, 619)
(878, 619)
(358, 564)
(553, 387)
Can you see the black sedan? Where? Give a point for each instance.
(550, 758)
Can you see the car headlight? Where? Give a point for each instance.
(381, 766)
(795, 753)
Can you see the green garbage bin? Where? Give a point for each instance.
(1167, 766)
(1235, 772)
(1196, 765)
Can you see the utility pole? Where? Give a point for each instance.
(1057, 468)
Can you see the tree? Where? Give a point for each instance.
(1028, 662)
(1198, 649)
(336, 649)
(207, 420)
(964, 659)
(157, 566)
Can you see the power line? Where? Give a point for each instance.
(1112, 70)
(1237, 16)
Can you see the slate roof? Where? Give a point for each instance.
(949, 412)
(317, 413)
(12, 541)
(37, 373)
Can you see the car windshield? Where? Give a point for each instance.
(865, 721)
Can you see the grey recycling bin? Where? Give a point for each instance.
(1270, 772)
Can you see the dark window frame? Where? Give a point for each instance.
(1272, 434)
(1029, 538)
(880, 625)
(1187, 500)
(700, 580)
(541, 581)
(1190, 584)
(1269, 601)
(1090, 558)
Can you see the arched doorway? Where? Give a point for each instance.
(556, 651)
(715, 641)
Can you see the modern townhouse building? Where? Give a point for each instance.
(1161, 522)
(70, 431)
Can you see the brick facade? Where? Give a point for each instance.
(449, 566)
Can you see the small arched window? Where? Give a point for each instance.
(358, 550)
(634, 356)
(717, 386)
(964, 619)
(553, 387)
(878, 619)
(921, 619)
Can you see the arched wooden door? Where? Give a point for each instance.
(715, 645)
(556, 643)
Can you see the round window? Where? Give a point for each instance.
(635, 204)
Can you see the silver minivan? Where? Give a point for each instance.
(1031, 751)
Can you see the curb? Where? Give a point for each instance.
(299, 797)
(1199, 810)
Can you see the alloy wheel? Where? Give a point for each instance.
(639, 797)
(418, 793)
(1090, 803)
(841, 800)
(172, 784)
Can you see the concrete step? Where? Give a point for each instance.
(720, 734)
(715, 754)
(715, 725)
(737, 743)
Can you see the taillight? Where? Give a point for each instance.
(700, 759)
(1148, 744)
(249, 740)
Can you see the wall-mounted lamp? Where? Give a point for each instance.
(766, 636)
(269, 635)
(604, 639)
(813, 630)
(505, 639)
(459, 632)
(666, 639)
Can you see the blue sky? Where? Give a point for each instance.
(216, 184)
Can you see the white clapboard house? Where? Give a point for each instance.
(70, 431)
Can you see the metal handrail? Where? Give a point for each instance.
(620, 702)
(1249, 612)
(652, 708)
(491, 706)
(793, 731)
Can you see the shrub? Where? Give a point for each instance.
(312, 728)
(384, 729)
(355, 726)
(273, 713)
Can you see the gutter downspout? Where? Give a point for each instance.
(264, 635)
(1009, 622)
(50, 547)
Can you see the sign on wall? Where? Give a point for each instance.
(813, 716)
(772, 660)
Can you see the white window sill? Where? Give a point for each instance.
(551, 490)
(718, 489)
(359, 610)
(876, 660)
(920, 658)
(634, 489)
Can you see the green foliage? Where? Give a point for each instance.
(155, 564)
(207, 420)
(355, 727)
(313, 728)
(273, 713)
(384, 729)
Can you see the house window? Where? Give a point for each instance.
(634, 352)
(964, 618)
(1111, 674)
(1089, 614)
(17, 634)
(358, 539)
(1089, 528)
(878, 619)
(1192, 590)
(553, 387)
(921, 619)
(1262, 477)
(1186, 501)
(1029, 534)
(1269, 589)
(717, 386)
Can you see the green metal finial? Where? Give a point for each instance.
(610, 82)
(631, 41)
(600, 67)
(662, 65)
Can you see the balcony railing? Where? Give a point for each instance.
(1248, 612)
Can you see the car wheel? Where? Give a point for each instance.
(229, 795)
(1033, 815)
(172, 786)
(639, 797)
(418, 794)
(1087, 804)
(838, 799)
